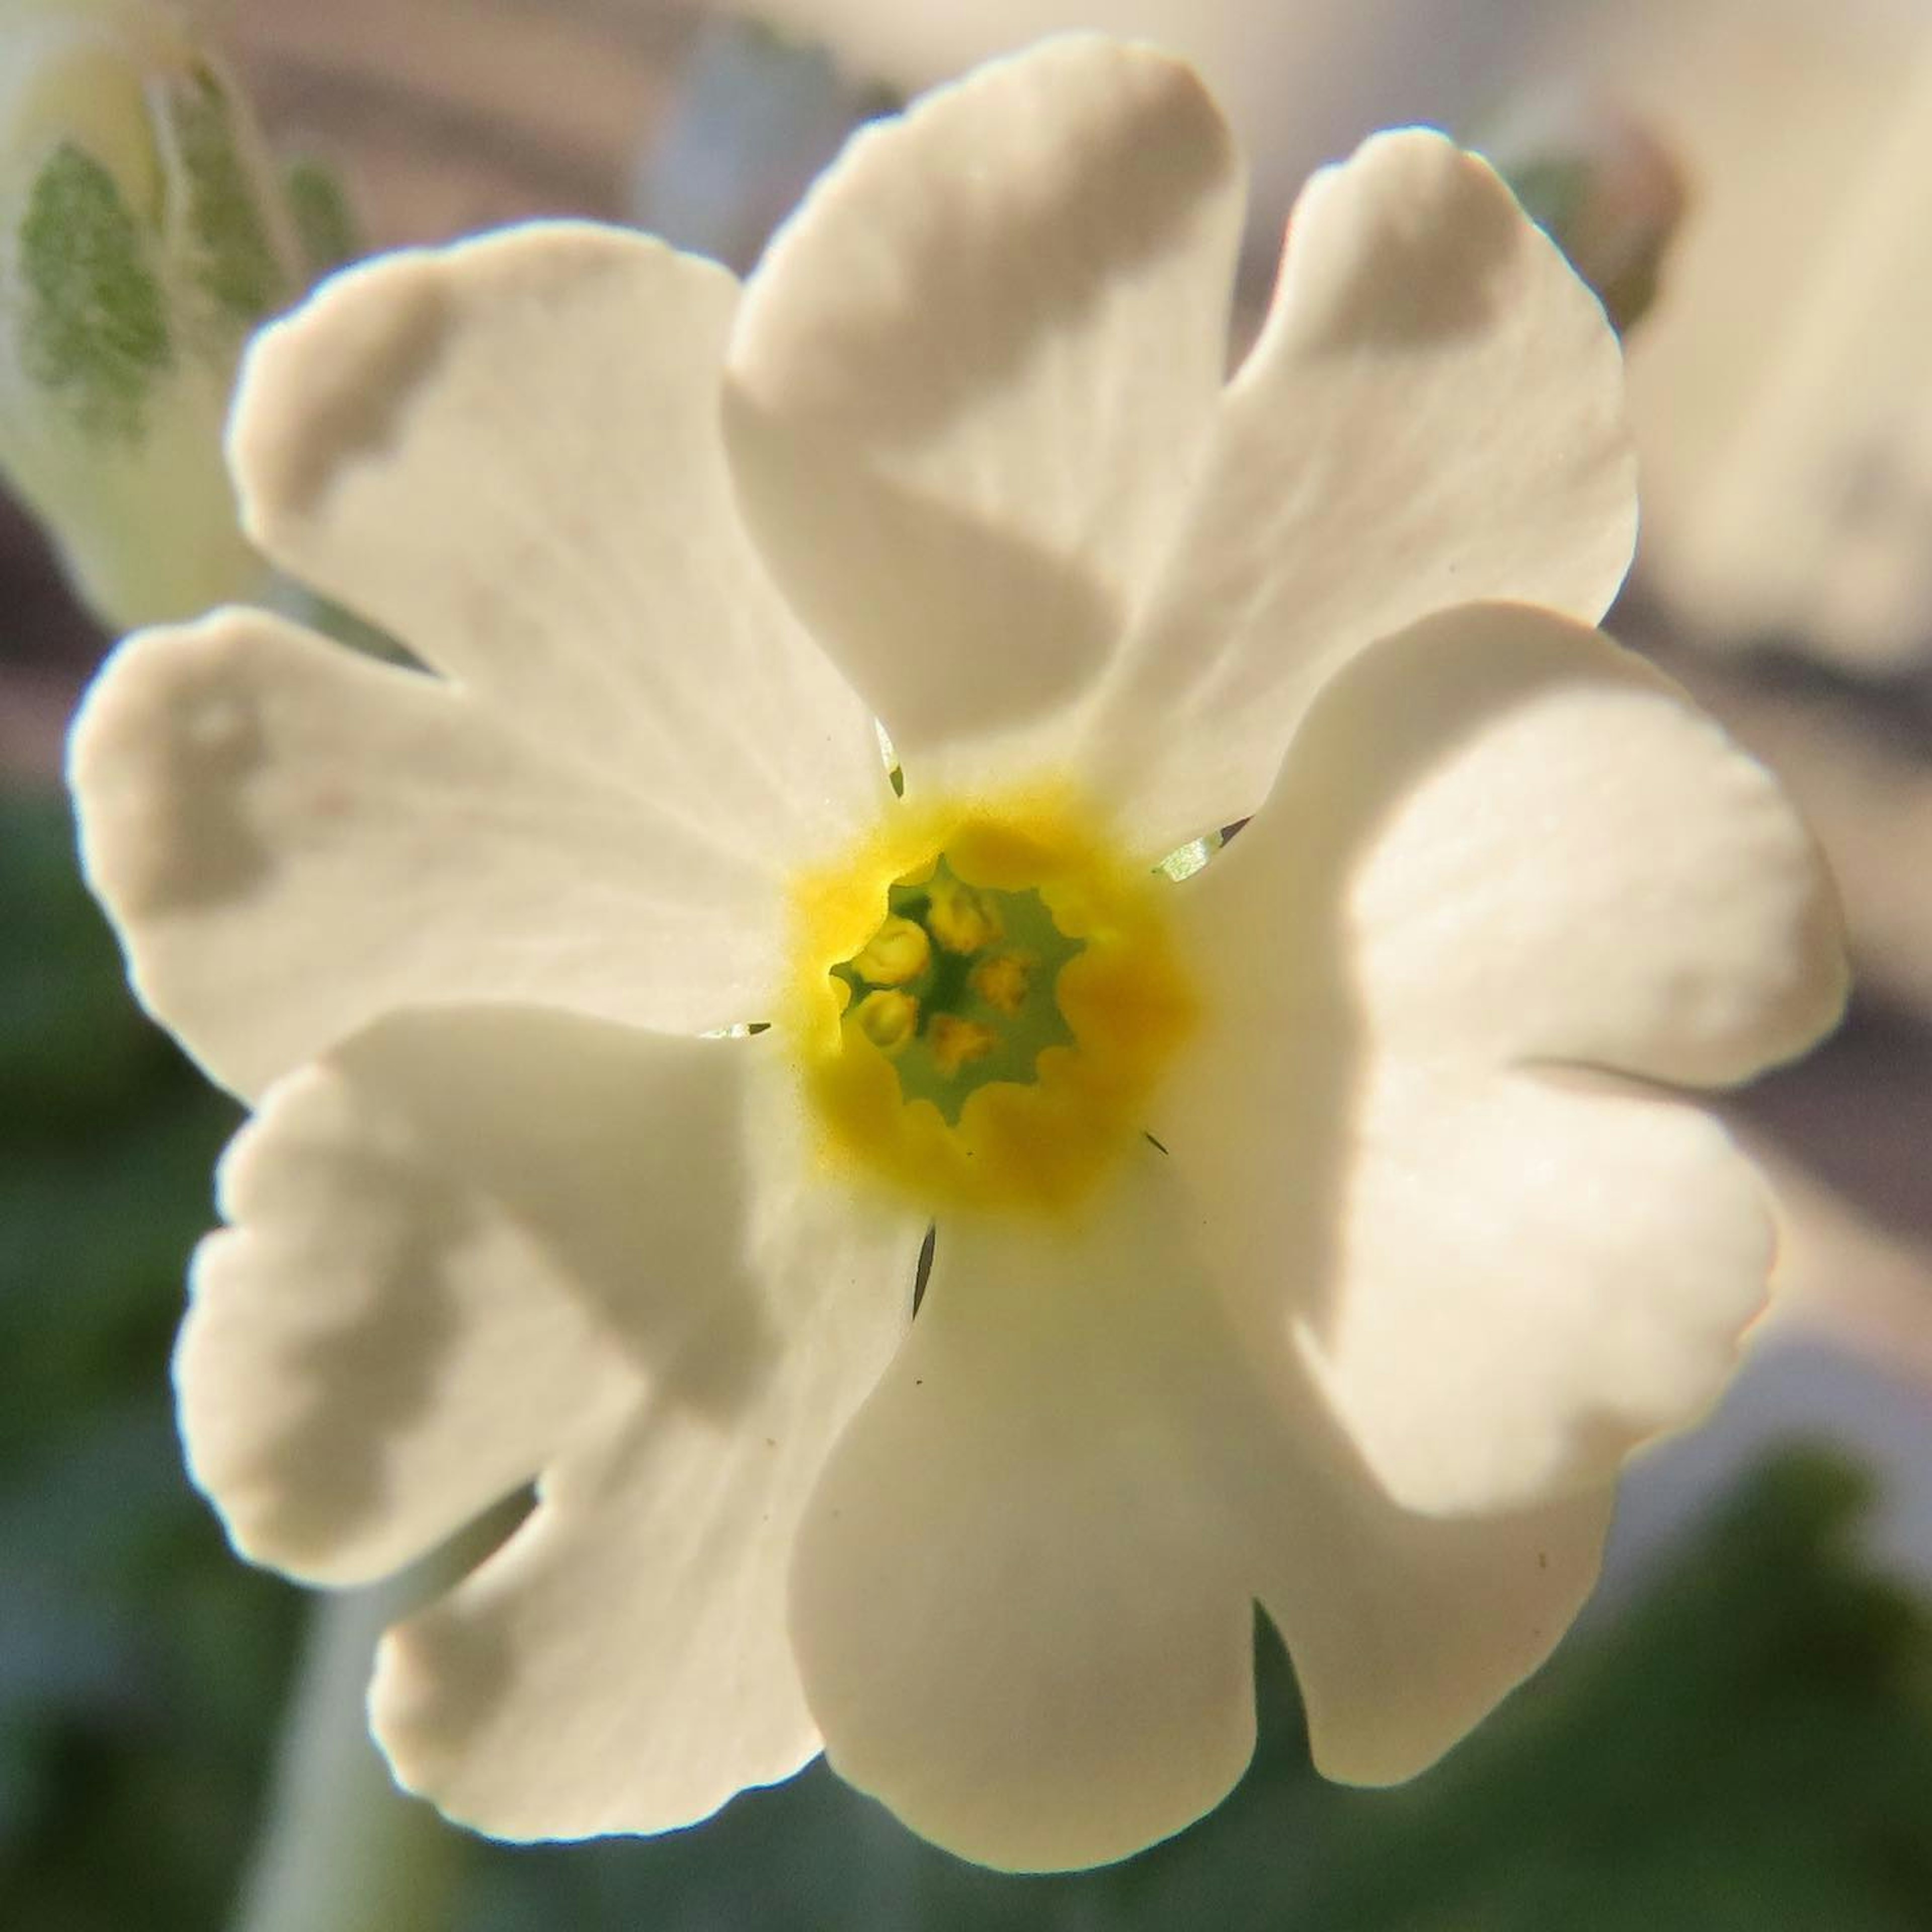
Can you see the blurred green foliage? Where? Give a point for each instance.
(1749, 1750)
(139, 1664)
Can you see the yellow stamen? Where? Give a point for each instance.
(956, 1042)
(960, 919)
(888, 1018)
(1002, 982)
(898, 951)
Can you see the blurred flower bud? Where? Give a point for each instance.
(754, 118)
(1607, 190)
(144, 233)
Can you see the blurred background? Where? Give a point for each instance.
(1738, 1736)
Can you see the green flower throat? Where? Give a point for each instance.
(957, 988)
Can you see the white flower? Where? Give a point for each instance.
(1346, 1232)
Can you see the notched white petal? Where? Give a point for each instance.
(478, 1246)
(1434, 413)
(1533, 1274)
(374, 1354)
(1504, 863)
(621, 1665)
(293, 841)
(973, 375)
(508, 453)
(1567, 861)
(1407, 1630)
(1036, 1649)
(1018, 1616)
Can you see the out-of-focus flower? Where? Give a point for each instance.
(755, 118)
(1321, 1228)
(1302, 81)
(144, 234)
(1609, 192)
(1782, 393)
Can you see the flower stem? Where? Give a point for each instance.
(343, 1848)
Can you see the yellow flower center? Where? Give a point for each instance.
(984, 996)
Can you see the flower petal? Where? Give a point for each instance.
(440, 1270)
(1578, 866)
(1433, 413)
(1533, 1275)
(1406, 1630)
(1017, 1614)
(972, 378)
(507, 454)
(1498, 844)
(1527, 845)
(1022, 1600)
(294, 840)
(476, 1246)
(623, 1663)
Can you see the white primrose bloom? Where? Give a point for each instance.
(1322, 1230)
